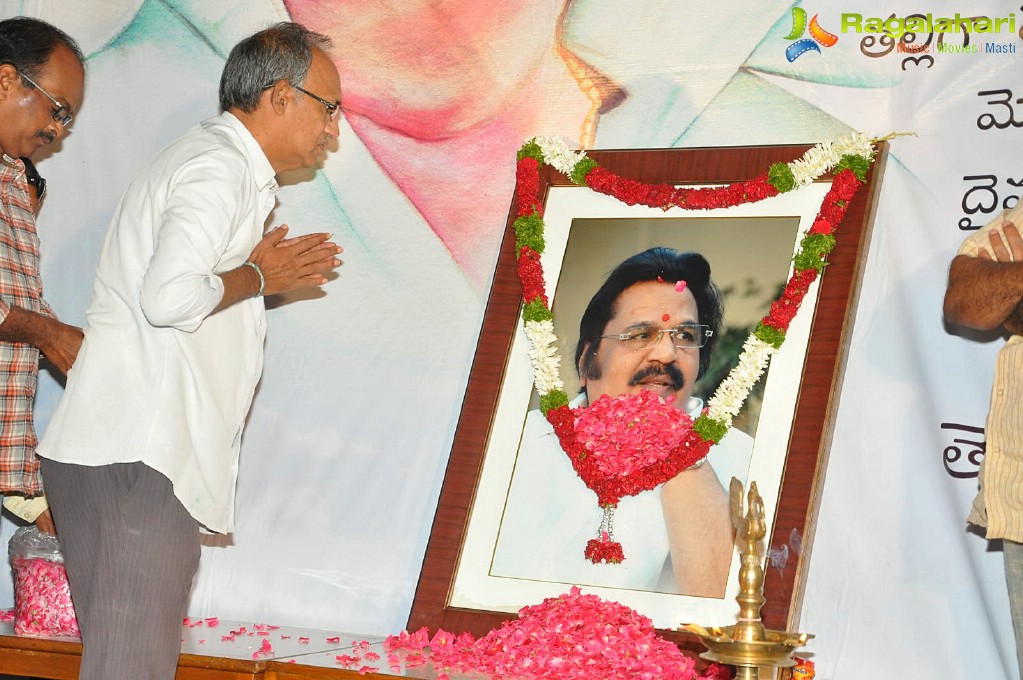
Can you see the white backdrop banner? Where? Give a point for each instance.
(344, 452)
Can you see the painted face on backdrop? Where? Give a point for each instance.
(312, 126)
(429, 69)
(28, 122)
(662, 368)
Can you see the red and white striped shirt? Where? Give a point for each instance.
(20, 286)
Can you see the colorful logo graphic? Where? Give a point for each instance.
(818, 36)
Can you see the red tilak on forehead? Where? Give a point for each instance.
(665, 317)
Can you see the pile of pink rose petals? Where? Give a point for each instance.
(572, 636)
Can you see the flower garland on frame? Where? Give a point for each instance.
(620, 446)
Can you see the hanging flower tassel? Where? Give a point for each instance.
(604, 548)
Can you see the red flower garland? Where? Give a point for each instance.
(527, 188)
(531, 275)
(632, 192)
(784, 309)
(610, 489)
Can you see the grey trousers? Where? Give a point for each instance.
(131, 551)
(1013, 554)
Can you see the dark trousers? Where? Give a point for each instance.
(131, 551)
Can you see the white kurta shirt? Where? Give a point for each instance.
(159, 379)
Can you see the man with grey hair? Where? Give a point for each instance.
(142, 451)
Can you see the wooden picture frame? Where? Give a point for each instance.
(803, 461)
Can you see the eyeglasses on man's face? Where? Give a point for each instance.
(683, 336)
(332, 109)
(61, 112)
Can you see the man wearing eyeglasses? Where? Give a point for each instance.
(143, 449)
(41, 82)
(651, 326)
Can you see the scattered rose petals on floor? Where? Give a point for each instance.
(360, 652)
(360, 649)
(265, 650)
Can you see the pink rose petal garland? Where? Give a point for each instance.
(626, 434)
(620, 446)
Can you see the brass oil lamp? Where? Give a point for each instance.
(748, 645)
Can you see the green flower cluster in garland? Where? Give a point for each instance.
(813, 250)
(858, 164)
(581, 169)
(770, 335)
(781, 178)
(710, 429)
(529, 232)
(532, 150)
(535, 310)
(552, 400)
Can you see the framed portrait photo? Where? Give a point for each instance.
(513, 518)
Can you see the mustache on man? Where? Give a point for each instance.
(670, 371)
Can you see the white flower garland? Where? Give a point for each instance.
(733, 390)
(825, 156)
(557, 154)
(543, 355)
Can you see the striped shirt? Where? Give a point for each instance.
(20, 286)
(999, 505)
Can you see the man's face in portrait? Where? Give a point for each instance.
(662, 368)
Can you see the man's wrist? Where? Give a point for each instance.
(259, 272)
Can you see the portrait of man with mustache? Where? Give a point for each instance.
(652, 326)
